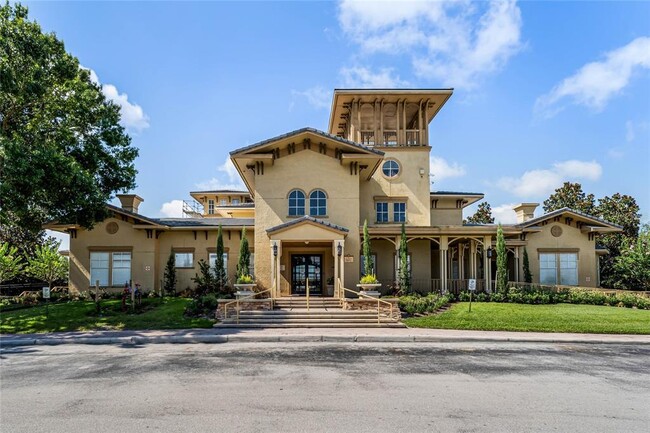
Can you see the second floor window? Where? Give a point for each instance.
(317, 203)
(296, 203)
(399, 212)
(235, 201)
(382, 212)
(210, 207)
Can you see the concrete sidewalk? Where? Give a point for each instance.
(339, 335)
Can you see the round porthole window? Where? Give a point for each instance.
(112, 228)
(556, 231)
(390, 168)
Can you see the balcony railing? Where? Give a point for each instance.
(412, 137)
(368, 138)
(390, 138)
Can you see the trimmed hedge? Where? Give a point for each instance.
(416, 304)
(546, 295)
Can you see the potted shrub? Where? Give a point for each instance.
(245, 285)
(368, 282)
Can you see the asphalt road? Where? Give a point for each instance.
(321, 387)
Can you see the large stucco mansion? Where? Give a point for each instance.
(307, 196)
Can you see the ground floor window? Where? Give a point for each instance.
(110, 268)
(184, 260)
(398, 265)
(558, 268)
(373, 263)
(212, 260)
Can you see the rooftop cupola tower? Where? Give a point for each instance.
(386, 117)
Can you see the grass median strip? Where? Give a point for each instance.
(490, 316)
(166, 313)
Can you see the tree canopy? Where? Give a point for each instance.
(63, 153)
(483, 215)
(572, 196)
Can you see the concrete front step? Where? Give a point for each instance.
(322, 317)
(311, 325)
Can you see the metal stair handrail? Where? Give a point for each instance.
(342, 290)
(238, 300)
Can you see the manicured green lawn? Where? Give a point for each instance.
(491, 316)
(166, 313)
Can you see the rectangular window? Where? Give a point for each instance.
(212, 259)
(251, 265)
(223, 202)
(184, 260)
(382, 212)
(235, 201)
(399, 212)
(569, 269)
(362, 262)
(99, 268)
(121, 268)
(210, 207)
(547, 269)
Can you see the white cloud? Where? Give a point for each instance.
(596, 83)
(441, 169)
(172, 209)
(450, 42)
(535, 183)
(132, 116)
(361, 77)
(317, 96)
(233, 180)
(504, 214)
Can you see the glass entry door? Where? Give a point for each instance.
(303, 267)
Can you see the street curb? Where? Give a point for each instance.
(313, 338)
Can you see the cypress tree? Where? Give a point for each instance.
(244, 256)
(502, 262)
(219, 270)
(404, 276)
(528, 277)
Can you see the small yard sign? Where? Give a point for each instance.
(471, 286)
(46, 293)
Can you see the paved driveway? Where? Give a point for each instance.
(326, 387)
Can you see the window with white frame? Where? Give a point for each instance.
(558, 268)
(210, 206)
(223, 202)
(399, 212)
(296, 203)
(110, 268)
(317, 203)
(381, 212)
(235, 201)
(184, 259)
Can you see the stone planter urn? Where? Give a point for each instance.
(370, 289)
(244, 290)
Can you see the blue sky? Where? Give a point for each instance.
(545, 92)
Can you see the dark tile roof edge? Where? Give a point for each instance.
(564, 210)
(307, 129)
(206, 222)
(455, 193)
(303, 219)
(132, 214)
(237, 191)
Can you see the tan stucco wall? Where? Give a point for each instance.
(306, 170)
(142, 249)
(570, 239)
(409, 183)
(149, 255)
(446, 216)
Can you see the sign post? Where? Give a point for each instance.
(471, 286)
(46, 296)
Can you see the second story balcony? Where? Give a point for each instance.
(391, 138)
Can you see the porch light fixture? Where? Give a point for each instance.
(275, 250)
(489, 252)
(339, 249)
(421, 172)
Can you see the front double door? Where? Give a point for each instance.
(306, 269)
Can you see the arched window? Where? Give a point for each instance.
(296, 203)
(317, 203)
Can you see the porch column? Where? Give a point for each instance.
(516, 250)
(461, 261)
(336, 267)
(396, 262)
(444, 245)
(342, 264)
(472, 259)
(487, 263)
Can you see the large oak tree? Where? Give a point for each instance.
(63, 153)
